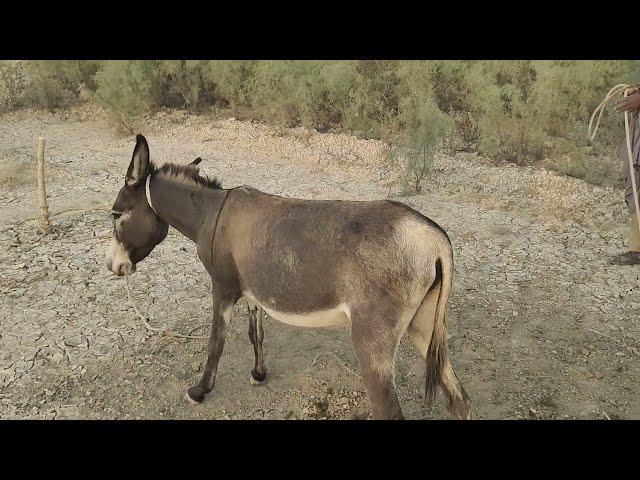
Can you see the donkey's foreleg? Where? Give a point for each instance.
(376, 357)
(221, 316)
(256, 335)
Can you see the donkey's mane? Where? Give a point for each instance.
(185, 173)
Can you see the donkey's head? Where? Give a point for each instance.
(136, 227)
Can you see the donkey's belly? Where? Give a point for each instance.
(338, 315)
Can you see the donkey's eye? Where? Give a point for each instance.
(116, 215)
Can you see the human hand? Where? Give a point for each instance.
(629, 103)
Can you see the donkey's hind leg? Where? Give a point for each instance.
(222, 315)
(256, 335)
(421, 326)
(375, 346)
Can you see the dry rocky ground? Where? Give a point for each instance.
(541, 324)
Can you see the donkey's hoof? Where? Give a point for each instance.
(193, 396)
(462, 412)
(257, 379)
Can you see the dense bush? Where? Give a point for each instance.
(58, 83)
(422, 123)
(12, 84)
(374, 99)
(45, 84)
(126, 90)
(523, 112)
(274, 90)
(231, 83)
(325, 94)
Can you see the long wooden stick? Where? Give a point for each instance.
(43, 212)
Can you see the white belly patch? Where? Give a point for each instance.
(339, 315)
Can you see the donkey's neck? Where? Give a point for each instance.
(184, 206)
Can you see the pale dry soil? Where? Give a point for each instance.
(541, 324)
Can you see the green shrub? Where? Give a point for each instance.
(424, 125)
(126, 90)
(325, 94)
(566, 93)
(604, 171)
(13, 83)
(453, 94)
(183, 84)
(500, 101)
(54, 84)
(47, 91)
(230, 81)
(72, 73)
(273, 91)
(373, 106)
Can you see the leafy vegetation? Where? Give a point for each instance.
(524, 112)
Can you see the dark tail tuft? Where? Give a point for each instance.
(437, 353)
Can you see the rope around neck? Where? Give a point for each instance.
(621, 89)
(147, 191)
(132, 302)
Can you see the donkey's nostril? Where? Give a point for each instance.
(126, 268)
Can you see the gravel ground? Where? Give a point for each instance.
(541, 324)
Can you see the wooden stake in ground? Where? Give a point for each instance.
(43, 211)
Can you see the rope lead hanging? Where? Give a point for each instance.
(161, 332)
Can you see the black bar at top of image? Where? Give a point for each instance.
(442, 37)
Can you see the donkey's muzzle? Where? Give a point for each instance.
(118, 260)
(121, 268)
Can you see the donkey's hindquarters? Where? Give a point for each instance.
(426, 253)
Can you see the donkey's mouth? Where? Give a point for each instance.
(121, 269)
(126, 269)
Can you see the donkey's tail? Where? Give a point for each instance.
(439, 370)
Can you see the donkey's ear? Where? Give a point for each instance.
(196, 161)
(139, 166)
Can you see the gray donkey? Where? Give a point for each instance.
(378, 266)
